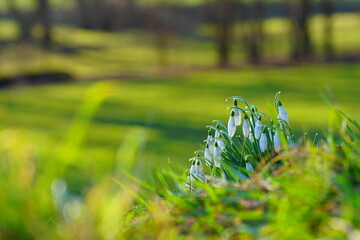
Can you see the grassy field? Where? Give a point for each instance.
(138, 115)
(172, 105)
(174, 111)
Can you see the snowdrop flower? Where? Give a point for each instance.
(237, 117)
(221, 144)
(231, 124)
(237, 114)
(251, 136)
(282, 113)
(210, 141)
(198, 167)
(246, 126)
(249, 167)
(277, 143)
(217, 133)
(208, 154)
(263, 142)
(199, 171)
(258, 128)
(192, 171)
(217, 155)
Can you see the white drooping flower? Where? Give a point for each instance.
(195, 173)
(249, 167)
(277, 142)
(237, 114)
(282, 113)
(251, 136)
(231, 124)
(237, 117)
(192, 169)
(246, 126)
(263, 142)
(217, 155)
(258, 128)
(208, 154)
(217, 134)
(221, 144)
(210, 141)
(198, 168)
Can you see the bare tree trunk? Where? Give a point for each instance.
(24, 20)
(327, 10)
(254, 41)
(302, 47)
(90, 13)
(160, 27)
(223, 30)
(44, 17)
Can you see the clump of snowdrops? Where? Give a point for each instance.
(250, 137)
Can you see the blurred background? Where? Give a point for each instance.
(169, 66)
(92, 87)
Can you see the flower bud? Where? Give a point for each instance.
(277, 142)
(231, 124)
(263, 142)
(208, 154)
(246, 127)
(221, 144)
(251, 136)
(192, 168)
(282, 113)
(249, 167)
(258, 128)
(198, 168)
(217, 155)
(217, 134)
(210, 141)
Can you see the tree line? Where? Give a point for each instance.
(165, 19)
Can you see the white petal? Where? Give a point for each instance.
(249, 167)
(246, 128)
(208, 154)
(211, 146)
(198, 168)
(263, 142)
(237, 117)
(251, 137)
(192, 170)
(258, 129)
(221, 144)
(231, 126)
(217, 156)
(283, 114)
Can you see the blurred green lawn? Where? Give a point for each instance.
(174, 109)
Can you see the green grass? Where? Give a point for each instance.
(175, 110)
(66, 131)
(174, 107)
(64, 179)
